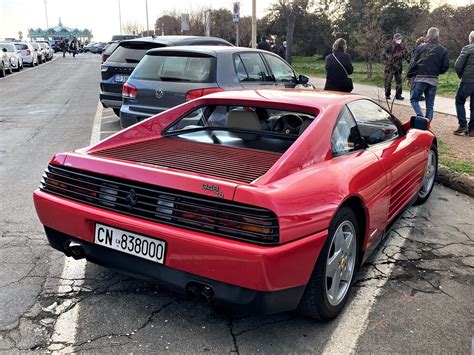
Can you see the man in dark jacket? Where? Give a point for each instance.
(464, 67)
(393, 56)
(282, 50)
(263, 44)
(431, 60)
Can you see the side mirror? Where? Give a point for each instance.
(303, 79)
(421, 123)
(4, 50)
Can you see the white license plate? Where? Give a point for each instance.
(121, 78)
(130, 243)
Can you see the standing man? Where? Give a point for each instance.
(464, 67)
(263, 44)
(393, 56)
(431, 60)
(282, 50)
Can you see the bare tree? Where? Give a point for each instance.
(132, 28)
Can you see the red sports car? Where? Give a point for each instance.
(266, 200)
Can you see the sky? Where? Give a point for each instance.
(102, 16)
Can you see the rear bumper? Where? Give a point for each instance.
(111, 99)
(129, 117)
(196, 255)
(224, 294)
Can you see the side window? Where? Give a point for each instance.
(345, 136)
(281, 71)
(375, 124)
(240, 69)
(253, 66)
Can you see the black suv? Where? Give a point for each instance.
(116, 70)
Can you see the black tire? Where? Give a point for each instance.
(423, 196)
(117, 112)
(315, 303)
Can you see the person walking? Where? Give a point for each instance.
(393, 55)
(263, 44)
(338, 68)
(419, 41)
(64, 47)
(464, 68)
(282, 50)
(431, 60)
(73, 48)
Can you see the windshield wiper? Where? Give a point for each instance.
(172, 78)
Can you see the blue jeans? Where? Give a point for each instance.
(465, 90)
(430, 93)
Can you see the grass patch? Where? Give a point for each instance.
(458, 166)
(314, 66)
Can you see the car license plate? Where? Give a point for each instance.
(130, 243)
(121, 78)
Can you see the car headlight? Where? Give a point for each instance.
(12, 60)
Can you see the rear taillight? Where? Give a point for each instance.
(194, 94)
(103, 68)
(28, 52)
(129, 91)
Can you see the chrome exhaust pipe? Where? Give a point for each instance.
(206, 296)
(192, 291)
(75, 250)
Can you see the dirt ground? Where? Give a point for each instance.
(460, 148)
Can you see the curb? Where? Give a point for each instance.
(463, 183)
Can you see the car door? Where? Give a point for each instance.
(251, 71)
(403, 161)
(368, 179)
(282, 72)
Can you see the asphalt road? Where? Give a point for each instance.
(414, 295)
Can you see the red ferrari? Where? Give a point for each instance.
(266, 200)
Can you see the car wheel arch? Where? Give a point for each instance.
(356, 204)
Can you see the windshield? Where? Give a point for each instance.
(176, 68)
(21, 46)
(131, 52)
(8, 46)
(259, 128)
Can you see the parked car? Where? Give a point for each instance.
(14, 56)
(98, 48)
(116, 70)
(28, 53)
(167, 77)
(108, 50)
(5, 64)
(269, 200)
(41, 52)
(87, 47)
(47, 50)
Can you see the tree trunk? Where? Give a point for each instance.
(290, 29)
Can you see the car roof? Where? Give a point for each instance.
(317, 99)
(210, 50)
(174, 40)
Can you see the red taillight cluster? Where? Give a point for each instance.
(194, 94)
(28, 52)
(129, 91)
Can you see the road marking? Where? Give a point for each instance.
(72, 278)
(27, 70)
(354, 320)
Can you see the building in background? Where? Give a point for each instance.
(60, 32)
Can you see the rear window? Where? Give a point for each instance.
(9, 47)
(21, 46)
(176, 68)
(35, 45)
(110, 48)
(131, 52)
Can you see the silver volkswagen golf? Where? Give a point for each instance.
(167, 77)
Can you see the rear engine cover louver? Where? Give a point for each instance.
(237, 164)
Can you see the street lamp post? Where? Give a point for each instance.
(254, 23)
(120, 17)
(46, 12)
(147, 26)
